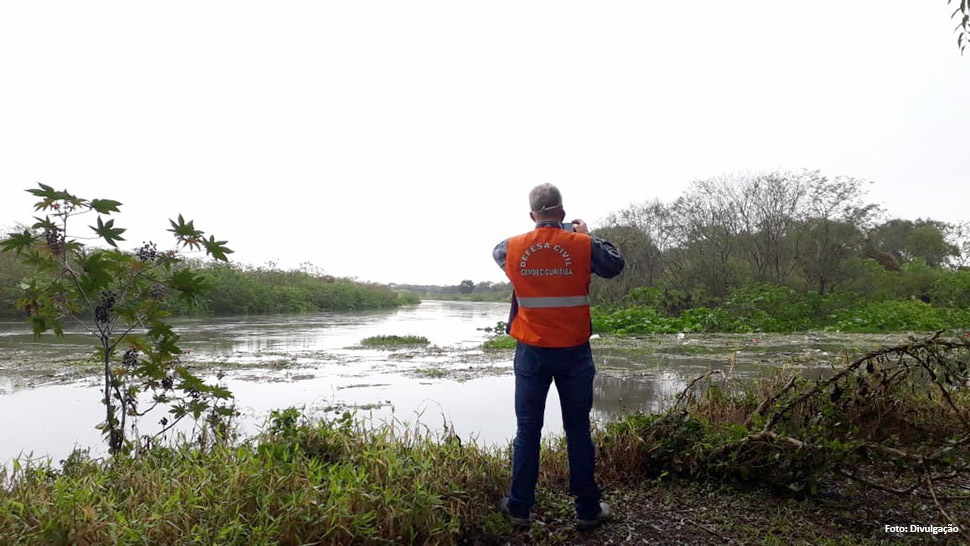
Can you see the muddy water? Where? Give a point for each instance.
(50, 400)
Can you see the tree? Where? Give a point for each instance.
(643, 263)
(466, 286)
(119, 299)
(962, 15)
(707, 229)
(906, 241)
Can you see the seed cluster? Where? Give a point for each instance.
(157, 292)
(147, 252)
(130, 358)
(102, 313)
(55, 240)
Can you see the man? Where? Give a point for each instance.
(550, 269)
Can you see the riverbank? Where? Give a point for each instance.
(779, 462)
(248, 496)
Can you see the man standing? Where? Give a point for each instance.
(550, 269)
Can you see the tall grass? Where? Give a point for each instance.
(325, 483)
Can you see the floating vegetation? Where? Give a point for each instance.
(499, 343)
(393, 341)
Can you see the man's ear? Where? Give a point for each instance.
(532, 216)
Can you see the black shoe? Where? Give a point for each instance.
(604, 515)
(503, 505)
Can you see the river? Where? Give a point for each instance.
(50, 398)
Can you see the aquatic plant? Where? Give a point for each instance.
(498, 343)
(393, 341)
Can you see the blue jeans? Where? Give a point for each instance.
(535, 369)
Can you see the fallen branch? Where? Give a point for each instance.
(769, 401)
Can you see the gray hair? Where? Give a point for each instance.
(543, 198)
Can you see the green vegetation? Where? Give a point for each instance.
(500, 342)
(772, 308)
(237, 290)
(233, 289)
(393, 341)
(781, 252)
(119, 299)
(467, 290)
(889, 432)
(325, 483)
(12, 272)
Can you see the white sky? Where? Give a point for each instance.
(396, 141)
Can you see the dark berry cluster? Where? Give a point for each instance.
(102, 313)
(157, 292)
(167, 382)
(130, 358)
(147, 252)
(55, 240)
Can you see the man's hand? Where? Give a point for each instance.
(579, 226)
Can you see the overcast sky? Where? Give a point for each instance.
(397, 141)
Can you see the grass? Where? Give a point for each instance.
(394, 341)
(323, 483)
(498, 343)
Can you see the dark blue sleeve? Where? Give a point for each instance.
(607, 262)
(498, 254)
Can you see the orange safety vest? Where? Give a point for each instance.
(549, 268)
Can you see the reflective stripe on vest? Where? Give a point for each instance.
(548, 303)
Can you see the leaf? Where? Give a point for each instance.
(189, 381)
(137, 342)
(96, 274)
(108, 232)
(17, 242)
(39, 325)
(105, 206)
(216, 249)
(185, 231)
(187, 283)
(45, 223)
(219, 392)
(44, 191)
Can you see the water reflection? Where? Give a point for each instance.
(313, 362)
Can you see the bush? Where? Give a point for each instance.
(897, 316)
(952, 290)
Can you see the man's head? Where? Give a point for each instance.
(545, 202)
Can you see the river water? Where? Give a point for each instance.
(50, 397)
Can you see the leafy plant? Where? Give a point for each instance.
(119, 299)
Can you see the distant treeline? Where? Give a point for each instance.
(239, 289)
(11, 273)
(235, 289)
(466, 290)
(781, 252)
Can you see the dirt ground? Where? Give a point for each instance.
(698, 514)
